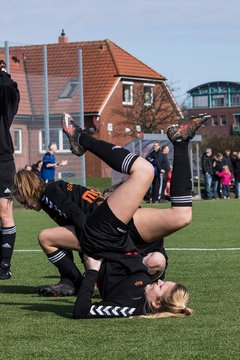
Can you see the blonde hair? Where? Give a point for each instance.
(225, 167)
(28, 189)
(173, 305)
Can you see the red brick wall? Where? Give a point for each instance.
(210, 130)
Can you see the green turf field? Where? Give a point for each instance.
(42, 328)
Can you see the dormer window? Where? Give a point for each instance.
(69, 89)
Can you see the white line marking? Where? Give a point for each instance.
(34, 250)
(202, 249)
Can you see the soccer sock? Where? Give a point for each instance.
(66, 266)
(7, 244)
(63, 278)
(181, 184)
(115, 156)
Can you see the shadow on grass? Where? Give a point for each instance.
(17, 289)
(62, 309)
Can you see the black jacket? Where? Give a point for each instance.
(236, 168)
(9, 101)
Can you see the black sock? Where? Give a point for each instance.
(63, 278)
(8, 236)
(115, 156)
(66, 266)
(181, 183)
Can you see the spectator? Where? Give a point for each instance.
(216, 180)
(152, 158)
(236, 172)
(163, 167)
(36, 168)
(49, 164)
(28, 167)
(207, 170)
(169, 177)
(227, 160)
(226, 177)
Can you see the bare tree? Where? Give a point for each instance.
(152, 110)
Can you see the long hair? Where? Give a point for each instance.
(173, 305)
(28, 189)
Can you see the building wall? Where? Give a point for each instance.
(210, 129)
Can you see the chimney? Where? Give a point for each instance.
(62, 39)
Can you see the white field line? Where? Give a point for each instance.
(168, 249)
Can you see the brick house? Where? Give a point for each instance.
(110, 77)
(221, 99)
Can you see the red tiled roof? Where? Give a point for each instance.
(103, 62)
(19, 75)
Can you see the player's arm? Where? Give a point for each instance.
(9, 93)
(84, 308)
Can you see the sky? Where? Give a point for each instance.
(190, 42)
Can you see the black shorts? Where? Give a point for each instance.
(105, 236)
(143, 247)
(7, 171)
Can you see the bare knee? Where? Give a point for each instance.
(144, 168)
(43, 239)
(184, 217)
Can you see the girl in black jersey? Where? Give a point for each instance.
(9, 101)
(124, 284)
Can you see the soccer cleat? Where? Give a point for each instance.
(186, 131)
(73, 132)
(56, 290)
(5, 272)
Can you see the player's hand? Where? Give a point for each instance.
(63, 163)
(91, 263)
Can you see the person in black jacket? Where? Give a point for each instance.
(9, 101)
(125, 287)
(163, 167)
(207, 170)
(216, 180)
(236, 173)
(152, 157)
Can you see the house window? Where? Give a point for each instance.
(56, 136)
(148, 94)
(223, 120)
(69, 89)
(214, 121)
(17, 140)
(127, 98)
(219, 100)
(200, 101)
(237, 119)
(235, 100)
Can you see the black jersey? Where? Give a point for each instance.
(9, 101)
(68, 204)
(124, 294)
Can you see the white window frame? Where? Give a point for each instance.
(19, 151)
(60, 140)
(151, 86)
(131, 84)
